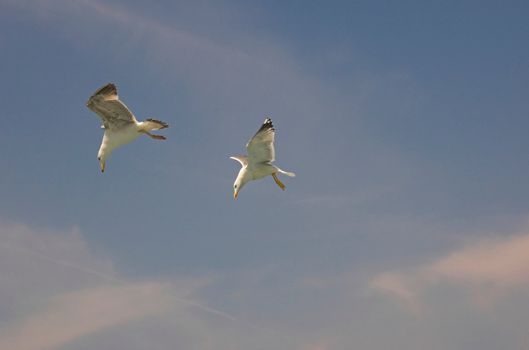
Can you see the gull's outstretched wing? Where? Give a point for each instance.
(261, 147)
(105, 102)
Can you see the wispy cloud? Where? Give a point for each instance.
(400, 286)
(58, 290)
(245, 73)
(237, 79)
(54, 289)
(71, 315)
(486, 270)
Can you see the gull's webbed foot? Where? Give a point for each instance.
(279, 183)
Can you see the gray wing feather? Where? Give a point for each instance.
(261, 147)
(106, 104)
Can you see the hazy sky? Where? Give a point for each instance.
(407, 226)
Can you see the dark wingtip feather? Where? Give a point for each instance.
(267, 124)
(108, 89)
(163, 124)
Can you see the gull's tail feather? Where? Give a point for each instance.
(287, 173)
(153, 124)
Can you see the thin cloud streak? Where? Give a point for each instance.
(132, 22)
(109, 278)
(254, 73)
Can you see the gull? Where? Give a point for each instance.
(121, 127)
(258, 163)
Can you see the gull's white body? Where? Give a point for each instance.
(252, 172)
(258, 163)
(112, 139)
(121, 126)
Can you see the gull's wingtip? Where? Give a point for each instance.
(107, 89)
(268, 122)
(267, 125)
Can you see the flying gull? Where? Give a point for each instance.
(258, 163)
(121, 127)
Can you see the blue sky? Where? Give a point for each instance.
(405, 123)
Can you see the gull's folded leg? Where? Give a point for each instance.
(152, 136)
(157, 137)
(279, 183)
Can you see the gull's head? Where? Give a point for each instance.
(102, 162)
(242, 177)
(102, 158)
(237, 185)
(236, 188)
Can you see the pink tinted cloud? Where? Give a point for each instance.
(487, 270)
(54, 289)
(500, 263)
(400, 287)
(71, 315)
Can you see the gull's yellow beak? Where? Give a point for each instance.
(235, 194)
(102, 164)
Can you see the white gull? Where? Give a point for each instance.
(121, 127)
(258, 163)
